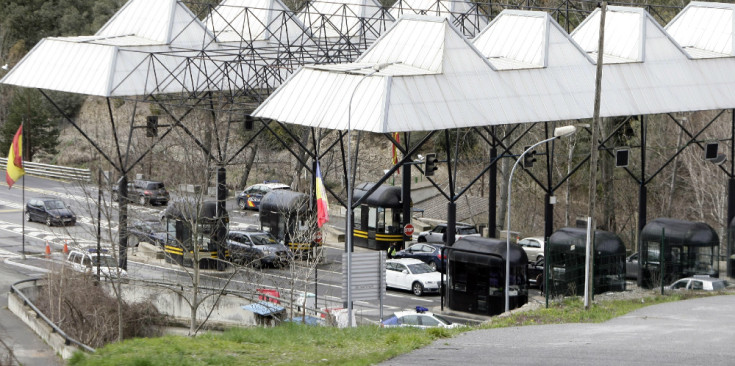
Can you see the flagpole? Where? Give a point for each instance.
(23, 206)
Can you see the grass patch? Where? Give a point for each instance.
(297, 344)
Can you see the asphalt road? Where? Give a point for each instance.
(692, 332)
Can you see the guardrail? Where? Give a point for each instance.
(53, 171)
(51, 324)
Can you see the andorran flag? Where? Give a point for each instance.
(322, 205)
(15, 159)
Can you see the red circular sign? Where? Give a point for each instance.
(408, 230)
(318, 237)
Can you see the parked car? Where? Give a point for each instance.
(251, 196)
(631, 266)
(419, 318)
(535, 273)
(86, 260)
(533, 246)
(52, 211)
(411, 274)
(430, 254)
(149, 231)
(439, 233)
(705, 283)
(257, 248)
(144, 192)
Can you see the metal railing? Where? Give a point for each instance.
(53, 171)
(26, 301)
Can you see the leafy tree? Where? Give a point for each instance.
(40, 133)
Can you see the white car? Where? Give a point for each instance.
(534, 247)
(705, 283)
(86, 261)
(438, 235)
(419, 318)
(411, 274)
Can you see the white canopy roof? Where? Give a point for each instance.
(240, 21)
(340, 18)
(704, 30)
(117, 60)
(462, 13)
(436, 80)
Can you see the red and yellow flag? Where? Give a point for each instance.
(15, 159)
(322, 205)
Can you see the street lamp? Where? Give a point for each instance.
(558, 132)
(348, 229)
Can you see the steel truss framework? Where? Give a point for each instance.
(229, 79)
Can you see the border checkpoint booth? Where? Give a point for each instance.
(379, 219)
(476, 276)
(690, 248)
(179, 219)
(566, 259)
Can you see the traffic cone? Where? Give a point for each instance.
(48, 249)
(66, 248)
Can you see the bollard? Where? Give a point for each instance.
(48, 249)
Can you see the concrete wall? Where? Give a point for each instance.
(28, 316)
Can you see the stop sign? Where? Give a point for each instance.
(408, 230)
(318, 237)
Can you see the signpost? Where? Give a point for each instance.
(318, 237)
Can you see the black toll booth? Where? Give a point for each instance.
(287, 216)
(179, 218)
(378, 220)
(567, 252)
(690, 248)
(476, 276)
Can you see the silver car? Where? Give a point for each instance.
(534, 247)
(705, 283)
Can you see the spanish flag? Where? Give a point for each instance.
(15, 159)
(322, 205)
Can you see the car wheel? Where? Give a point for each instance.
(417, 288)
(433, 266)
(48, 221)
(422, 239)
(115, 197)
(257, 264)
(28, 216)
(142, 200)
(540, 282)
(540, 257)
(241, 204)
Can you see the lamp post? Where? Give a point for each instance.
(558, 132)
(348, 229)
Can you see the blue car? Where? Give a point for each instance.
(249, 199)
(430, 254)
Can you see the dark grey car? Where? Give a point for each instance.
(257, 248)
(52, 211)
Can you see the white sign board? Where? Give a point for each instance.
(368, 275)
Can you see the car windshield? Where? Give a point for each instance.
(442, 319)
(105, 261)
(418, 268)
(263, 239)
(54, 205)
(466, 230)
(155, 185)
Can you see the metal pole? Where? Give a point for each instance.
(587, 251)
(507, 228)
(99, 217)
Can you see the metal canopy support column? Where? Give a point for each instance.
(548, 206)
(492, 194)
(122, 189)
(642, 193)
(731, 201)
(406, 196)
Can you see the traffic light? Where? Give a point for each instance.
(249, 120)
(529, 158)
(430, 164)
(151, 129)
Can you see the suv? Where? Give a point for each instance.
(85, 261)
(430, 254)
(251, 196)
(144, 192)
(49, 210)
(439, 233)
(534, 247)
(257, 248)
